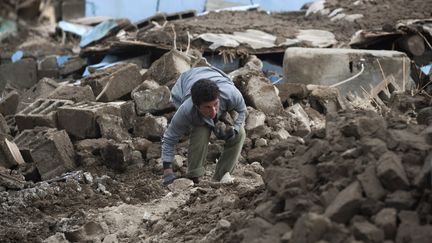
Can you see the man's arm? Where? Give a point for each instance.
(238, 105)
(177, 128)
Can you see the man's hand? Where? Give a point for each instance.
(222, 131)
(168, 175)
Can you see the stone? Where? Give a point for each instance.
(391, 173)
(180, 185)
(4, 127)
(74, 93)
(371, 185)
(281, 180)
(57, 238)
(88, 232)
(410, 230)
(150, 127)
(329, 66)
(42, 112)
(21, 74)
(311, 228)
(367, 232)
(261, 142)
(303, 123)
(406, 139)
(386, 219)
(424, 116)
(346, 204)
(72, 65)
(114, 82)
(152, 100)
(291, 91)
(9, 103)
(423, 178)
(325, 99)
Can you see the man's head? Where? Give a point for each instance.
(205, 96)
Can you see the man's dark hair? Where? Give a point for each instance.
(204, 90)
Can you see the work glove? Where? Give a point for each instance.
(168, 175)
(222, 131)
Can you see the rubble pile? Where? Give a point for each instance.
(326, 158)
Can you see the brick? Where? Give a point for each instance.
(42, 112)
(79, 120)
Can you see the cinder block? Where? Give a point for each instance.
(112, 83)
(379, 72)
(27, 140)
(40, 90)
(42, 112)
(79, 120)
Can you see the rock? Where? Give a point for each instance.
(391, 173)
(74, 93)
(9, 103)
(180, 185)
(261, 142)
(400, 200)
(117, 156)
(152, 100)
(303, 124)
(223, 224)
(368, 232)
(112, 127)
(325, 99)
(57, 238)
(254, 119)
(346, 204)
(312, 227)
(150, 127)
(22, 74)
(386, 219)
(371, 184)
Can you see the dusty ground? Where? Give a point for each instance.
(133, 206)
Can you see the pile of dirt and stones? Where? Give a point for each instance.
(80, 145)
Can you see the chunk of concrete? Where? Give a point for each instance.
(168, 68)
(21, 74)
(325, 99)
(410, 230)
(48, 67)
(259, 93)
(254, 119)
(42, 112)
(74, 93)
(79, 119)
(73, 64)
(291, 91)
(310, 228)
(10, 156)
(152, 100)
(9, 103)
(303, 124)
(346, 204)
(150, 127)
(383, 72)
(4, 127)
(386, 219)
(400, 200)
(53, 153)
(114, 82)
(371, 184)
(367, 232)
(391, 172)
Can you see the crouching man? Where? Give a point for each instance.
(202, 95)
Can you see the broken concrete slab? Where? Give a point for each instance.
(79, 119)
(20, 74)
(42, 112)
(9, 103)
(114, 82)
(150, 127)
(332, 66)
(152, 100)
(74, 93)
(346, 204)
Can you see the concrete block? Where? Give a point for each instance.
(371, 184)
(367, 232)
(112, 127)
(386, 219)
(74, 93)
(152, 100)
(48, 67)
(150, 127)
(391, 172)
(168, 68)
(79, 120)
(42, 112)
(40, 90)
(9, 103)
(346, 204)
(114, 82)
(21, 74)
(384, 71)
(400, 200)
(74, 64)
(53, 154)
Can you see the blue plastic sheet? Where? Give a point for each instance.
(108, 61)
(17, 56)
(74, 28)
(62, 59)
(426, 69)
(98, 32)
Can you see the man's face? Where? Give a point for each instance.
(209, 109)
